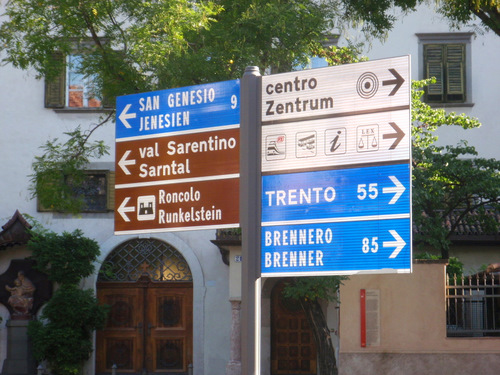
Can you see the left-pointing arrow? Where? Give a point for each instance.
(123, 209)
(399, 135)
(124, 116)
(398, 244)
(397, 190)
(124, 162)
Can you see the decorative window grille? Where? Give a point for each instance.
(145, 257)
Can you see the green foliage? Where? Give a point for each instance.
(426, 119)
(452, 186)
(313, 288)
(66, 258)
(65, 340)
(462, 12)
(60, 169)
(335, 55)
(63, 334)
(454, 267)
(130, 46)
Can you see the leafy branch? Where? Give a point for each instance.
(61, 168)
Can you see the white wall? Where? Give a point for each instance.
(25, 125)
(485, 71)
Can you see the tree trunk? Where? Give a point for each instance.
(322, 338)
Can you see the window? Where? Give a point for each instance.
(81, 91)
(71, 89)
(447, 58)
(445, 62)
(97, 192)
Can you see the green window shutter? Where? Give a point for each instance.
(55, 89)
(455, 72)
(434, 67)
(111, 191)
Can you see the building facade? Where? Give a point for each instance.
(186, 273)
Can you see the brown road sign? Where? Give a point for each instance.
(185, 156)
(178, 206)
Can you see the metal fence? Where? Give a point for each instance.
(473, 305)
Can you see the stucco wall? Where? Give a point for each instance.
(412, 328)
(483, 80)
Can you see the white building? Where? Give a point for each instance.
(26, 124)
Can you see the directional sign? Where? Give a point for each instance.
(336, 248)
(336, 177)
(169, 111)
(177, 159)
(340, 91)
(176, 206)
(187, 155)
(381, 191)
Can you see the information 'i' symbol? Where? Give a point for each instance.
(367, 85)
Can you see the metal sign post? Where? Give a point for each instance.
(250, 221)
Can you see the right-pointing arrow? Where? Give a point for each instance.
(123, 209)
(398, 189)
(398, 81)
(398, 244)
(399, 135)
(124, 162)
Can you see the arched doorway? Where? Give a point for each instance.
(293, 351)
(148, 286)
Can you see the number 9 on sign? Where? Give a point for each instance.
(234, 101)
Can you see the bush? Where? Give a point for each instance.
(66, 258)
(63, 335)
(454, 267)
(65, 341)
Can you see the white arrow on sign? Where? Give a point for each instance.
(123, 209)
(124, 116)
(399, 244)
(124, 162)
(397, 190)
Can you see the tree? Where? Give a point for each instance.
(131, 46)
(446, 180)
(451, 185)
(309, 293)
(63, 334)
(461, 12)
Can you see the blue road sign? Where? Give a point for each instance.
(336, 248)
(176, 110)
(379, 191)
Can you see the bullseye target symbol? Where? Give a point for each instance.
(367, 85)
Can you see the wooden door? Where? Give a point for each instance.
(293, 350)
(149, 328)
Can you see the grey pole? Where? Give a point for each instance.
(250, 186)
